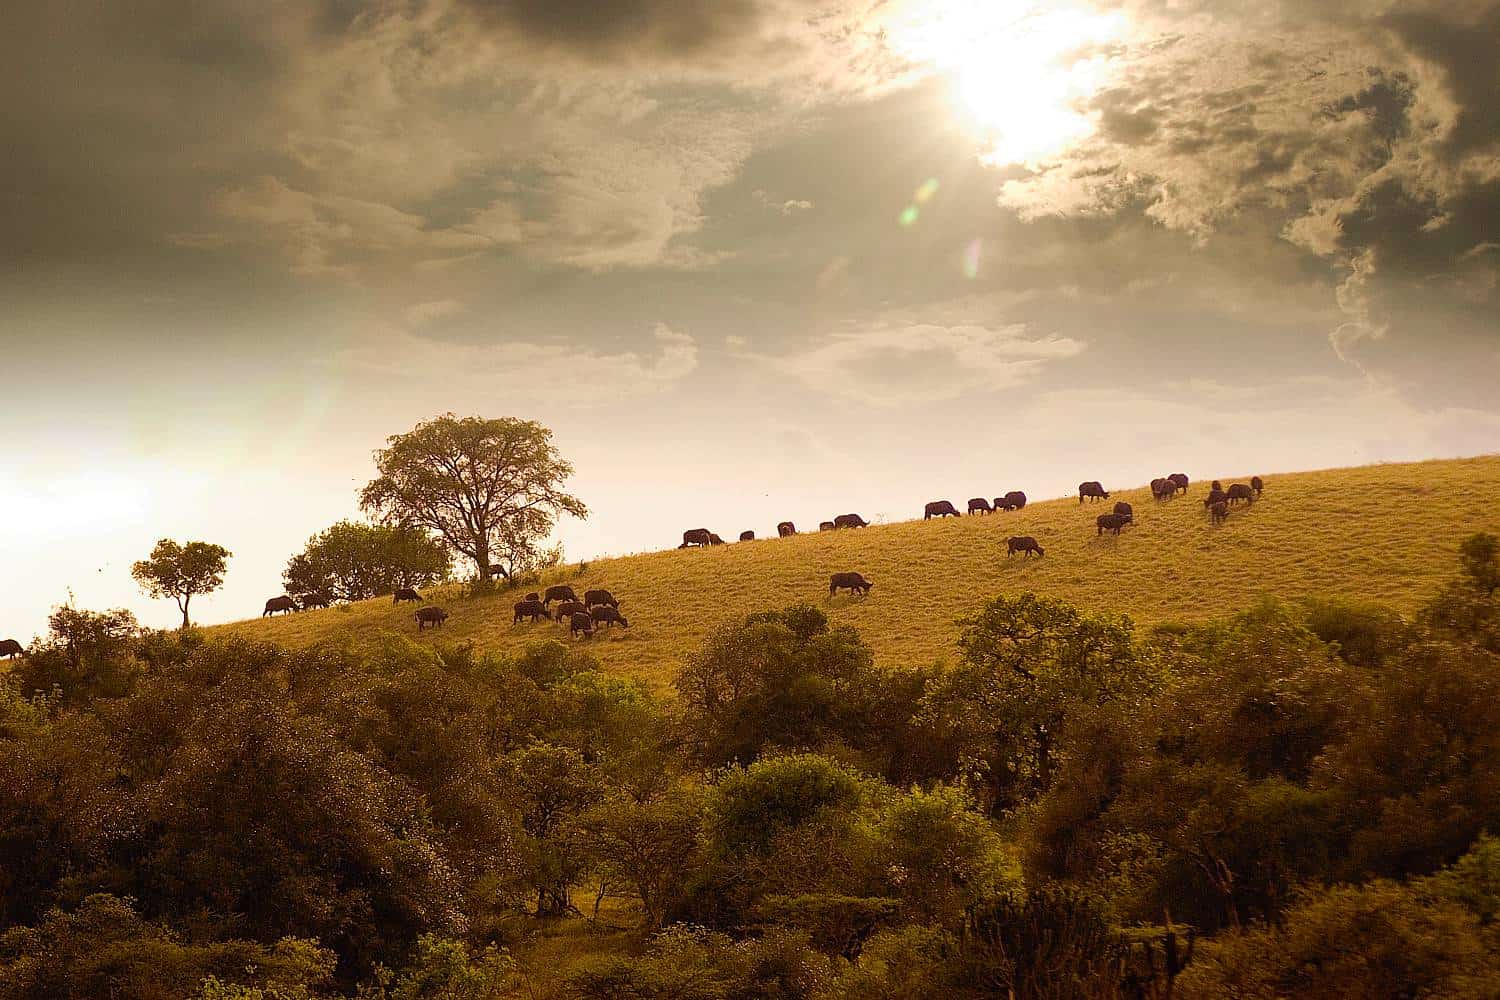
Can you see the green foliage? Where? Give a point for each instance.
(940, 855)
(751, 807)
(1031, 664)
(103, 948)
(778, 680)
(553, 787)
(491, 489)
(351, 561)
(86, 654)
(692, 964)
(1048, 944)
(1479, 558)
(1377, 940)
(445, 969)
(180, 571)
(1473, 880)
(647, 844)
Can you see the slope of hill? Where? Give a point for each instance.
(1383, 533)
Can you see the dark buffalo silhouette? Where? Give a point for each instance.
(747, 536)
(826, 526)
(939, 508)
(786, 529)
(1111, 522)
(1214, 496)
(852, 582)
(561, 592)
(1219, 511)
(535, 610)
(567, 609)
(1014, 500)
(608, 616)
(283, 604)
(1124, 509)
(697, 536)
(979, 505)
(581, 624)
(1215, 485)
(1180, 480)
(1163, 489)
(433, 616)
(313, 601)
(593, 597)
(406, 594)
(850, 521)
(1023, 544)
(1257, 484)
(533, 596)
(10, 649)
(1093, 491)
(1238, 492)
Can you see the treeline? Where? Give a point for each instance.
(1292, 802)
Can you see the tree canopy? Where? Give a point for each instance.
(180, 571)
(491, 489)
(350, 561)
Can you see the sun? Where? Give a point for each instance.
(1022, 73)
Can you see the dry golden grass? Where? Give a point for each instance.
(1383, 533)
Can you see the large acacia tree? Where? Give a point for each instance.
(491, 489)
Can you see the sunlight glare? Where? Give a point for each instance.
(1022, 72)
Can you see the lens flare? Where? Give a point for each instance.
(972, 254)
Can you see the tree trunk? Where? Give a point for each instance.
(482, 557)
(186, 600)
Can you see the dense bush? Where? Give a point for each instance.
(1295, 801)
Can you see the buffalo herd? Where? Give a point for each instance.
(599, 608)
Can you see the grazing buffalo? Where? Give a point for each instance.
(1023, 544)
(747, 536)
(852, 582)
(1215, 485)
(10, 649)
(567, 609)
(313, 601)
(826, 526)
(786, 529)
(581, 624)
(1257, 484)
(1214, 496)
(1125, 510)
(850, 521)
(1014, 500)
(593, 597)
(1219, 511)
(1093, 491)
(535, 610)
(1180, 480)
(1111, 522)
(560, 592)
(606, 615)
(939, 508)
(1239, 491)
(1163, 489)
(406, 594)
(433, 616)
(283, 604)
(533, 596)
(700, 537)
(979, 505)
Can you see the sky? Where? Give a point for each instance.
(750, 260)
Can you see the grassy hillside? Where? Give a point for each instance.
(1385, 533)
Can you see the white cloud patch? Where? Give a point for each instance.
(519, 370)
(919, 363)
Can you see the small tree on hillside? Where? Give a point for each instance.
(351, 561)
(180, 571)
(491, 489)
